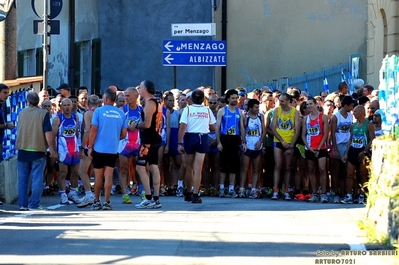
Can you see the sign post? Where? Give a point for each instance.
(47, 10)
(46, 42)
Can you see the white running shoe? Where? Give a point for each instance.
(145, 204)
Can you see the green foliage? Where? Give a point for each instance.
(383, 194)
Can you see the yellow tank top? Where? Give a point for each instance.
(285, 125)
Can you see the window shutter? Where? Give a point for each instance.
(21, 63)
(39, 61)
(96, 66)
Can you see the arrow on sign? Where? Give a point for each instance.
(168, 58)
(167, 46)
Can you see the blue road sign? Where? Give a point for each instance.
(194, 53)
(194, 59)
(54, 6)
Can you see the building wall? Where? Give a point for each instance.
(266, 39)
(86, 28)
(132, 33)
(270, 39)
(382, 35)
(58, 59)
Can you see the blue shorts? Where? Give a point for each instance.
(196, 142)
(129, 149)
(213, 150)
(253, 153)
(69, 159)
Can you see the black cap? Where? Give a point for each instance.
(63, 86)
(347, 100)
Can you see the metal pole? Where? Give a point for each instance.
(213, 38)
(45, 42)
(174, 77)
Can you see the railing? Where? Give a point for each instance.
(312, 82)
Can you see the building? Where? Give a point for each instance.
(274, 42)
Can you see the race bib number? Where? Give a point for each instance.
(231, 131)
(314, 131)
(357, 141)
(253, 132)
(284, 125)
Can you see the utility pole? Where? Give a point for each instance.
(8, 42)
(46, 43)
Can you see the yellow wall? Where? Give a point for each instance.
(268, 39)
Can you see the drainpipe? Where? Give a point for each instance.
(71, 59)
(224, 37)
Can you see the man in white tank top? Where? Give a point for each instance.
(341, 123)
(254, 137)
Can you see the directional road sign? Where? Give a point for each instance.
(194, 53)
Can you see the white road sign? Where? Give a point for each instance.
(193, 29)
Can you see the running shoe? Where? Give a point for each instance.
(107, 206)
(287, 196)
(253, 194)
(308, 196)
(145, 204)
(313, 198)
(97, 206)
(23, 208)
(231, 194)
(39, 208)
(64, 199)
(128, 190)
(47, 192)
(133, 190)
(113, 190)
(162, 190)
(336, 199)
(196, 200)
(248, 192)
(126, 199)
(221, 193)
(211, 191)
(157, 204)
(180, 192)
(188, 197)
(347, 199)
(86, 201)
(72, 196)
(241, 194)
(275, 195)
(299, 197)
(323, 198)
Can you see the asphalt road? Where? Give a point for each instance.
(218, 231)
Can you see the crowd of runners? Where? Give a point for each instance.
(197, 143)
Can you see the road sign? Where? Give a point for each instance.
(173, 46)
(194, 53)
(54, 27)
(194, 59)
(193, 29)
(55, 7)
